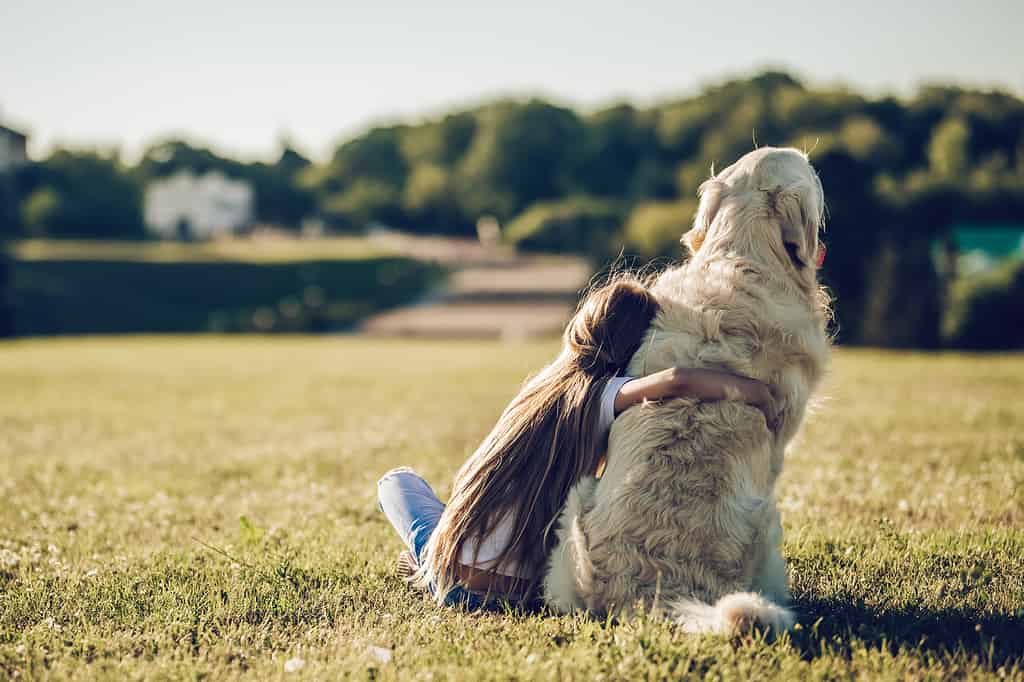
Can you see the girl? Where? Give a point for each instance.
(490, 543)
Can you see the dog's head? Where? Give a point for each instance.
(768, 205)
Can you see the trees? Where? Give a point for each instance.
(896, 172)
(617, 142)
(578, 223)
(171, 156)
(82, 194)
(9, 222)
(280, 197)
(654, 227)
(987, 311)
(363, 181)
(520, 153)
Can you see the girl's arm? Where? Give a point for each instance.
(702, 384)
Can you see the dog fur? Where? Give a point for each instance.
(684, 517)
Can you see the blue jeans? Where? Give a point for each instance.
(414, 510)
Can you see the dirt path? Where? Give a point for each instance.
(491, 293)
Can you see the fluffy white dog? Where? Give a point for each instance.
(684, 517)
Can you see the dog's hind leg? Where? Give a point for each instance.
(569, 567)
(771, 577)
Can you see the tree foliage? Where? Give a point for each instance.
(987, 311)
(81, 194)
(521, 153)
(897, 174)
(578, 223)
(654, 227)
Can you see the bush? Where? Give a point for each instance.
(583, 225)
(98, 296)
(655, 227)
(987, 311)
(40, 211)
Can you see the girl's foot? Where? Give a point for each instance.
(407, 566)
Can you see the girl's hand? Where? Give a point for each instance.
(710, 385)
(703, 384)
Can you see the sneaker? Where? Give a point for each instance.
(407, 566)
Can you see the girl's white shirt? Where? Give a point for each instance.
(485, 555)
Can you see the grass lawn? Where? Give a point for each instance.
(245, 250)
(121, 460)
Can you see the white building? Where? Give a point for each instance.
(13, 151)
(184, 206)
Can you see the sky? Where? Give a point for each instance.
(243, 75)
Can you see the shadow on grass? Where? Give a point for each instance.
(832, 626)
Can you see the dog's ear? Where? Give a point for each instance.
(799, 227)
(711, 193)
(794, 238)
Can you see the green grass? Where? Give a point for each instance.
(253, 285)
(903, 507)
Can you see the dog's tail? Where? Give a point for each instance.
(734, 614)
(569, 578)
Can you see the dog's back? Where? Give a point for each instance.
(678, 514)
(685, 498)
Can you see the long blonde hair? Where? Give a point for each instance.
(544, 441)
